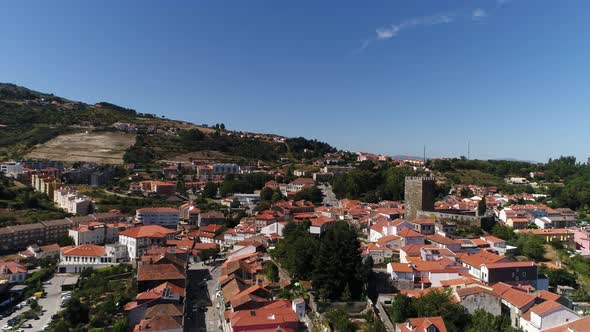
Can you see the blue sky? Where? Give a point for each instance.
(512, 77)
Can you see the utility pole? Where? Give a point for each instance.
(424, 159)
(468, 149)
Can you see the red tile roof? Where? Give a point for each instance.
(150, 231)
(147, 272)
(422, 324)
(90, 250)
(580, 325)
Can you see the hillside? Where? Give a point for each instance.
(41, 125)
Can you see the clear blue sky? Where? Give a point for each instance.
(513, 77)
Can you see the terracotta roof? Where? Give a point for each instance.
(466, 291)
(580, 325)
(441, 239)
(517, 298)
(160, 322)
(482, 257)
(423, 220)
(168, 309)
(90, 250)
(503, 265)
(545, 307)
(150, 231)
(147, 272)
(406, 232)
(156, 292)
(387, 238)
(13, 267)
(264, 318)
(402, 267)
(422, 324)
(545, 295)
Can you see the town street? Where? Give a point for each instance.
(202, 287)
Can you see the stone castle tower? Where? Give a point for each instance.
(419, 195)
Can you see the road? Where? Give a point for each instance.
(50, 304)
(199, 296)
(329, 196)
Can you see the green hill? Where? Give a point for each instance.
(29, 119)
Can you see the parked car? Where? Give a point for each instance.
(27, 326)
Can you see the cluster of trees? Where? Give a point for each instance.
(439, 303)
(101, 296)
(245, 183)
(528, 244)
(371, 182)
(333, 261)
(301, 147)
(500, 168)
(313, 194)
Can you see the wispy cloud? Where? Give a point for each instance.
(392, 30)
(479, 14)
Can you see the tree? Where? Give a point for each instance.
(61, 326)
(402, 308)
(503, 232)
(271, 271)
(76, 312)
(339, 264)
(482, 207)
(190, 136)
(338, 318)
(266, 194)
(121, 325)
(313, 194)
(210, 190)
(66, 241)
(530, 246)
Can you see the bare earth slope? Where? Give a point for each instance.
(98, 147)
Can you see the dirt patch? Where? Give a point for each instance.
(97, 147)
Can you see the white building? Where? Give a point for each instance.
(139, 239)
(90, 256)
(13, 271)
(546, 315)
(97, 232)
(162, 216)
(72, 201)
(11, 168)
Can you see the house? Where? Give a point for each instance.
(90, 256)
(440, 241)
(139, 239)
(546, 315)
(320, 224)
(13, 272)
(211, 217)
(150, 276)
(561, 235)
(479, 297)
(275, 316)
(580, 325)
(511, 272)
(424, 225)
(515, 302)
(475, 261)
(378, 252)
(165, 217)
(409, 237)
(41, 252)
(422, 324)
